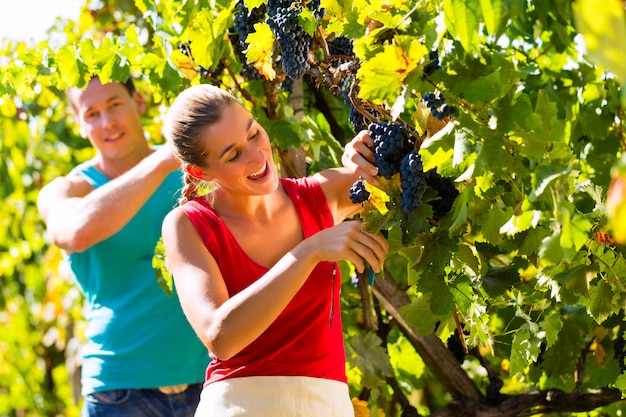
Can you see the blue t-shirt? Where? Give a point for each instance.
(138, 336)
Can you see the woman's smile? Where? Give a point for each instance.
(259, 174)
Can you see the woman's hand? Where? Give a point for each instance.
(347, 241)
(358, 156)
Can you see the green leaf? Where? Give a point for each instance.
(462, 21)
(441, 299)
(306, 19)
(252, 4)
(498, 280)
(601, 304)
(552, 252)
(620, 383)
(368, 355)
(575, 232)
(493, 15)
(521, 222)
(159, 263)
(543, 176)
(71, 66)
(526, 347)
(419, 315)
(552, 325)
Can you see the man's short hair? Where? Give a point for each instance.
(129, 85)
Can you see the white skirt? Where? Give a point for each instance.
(275, 396)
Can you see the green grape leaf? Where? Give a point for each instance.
(159, 263)
(552, 325)
(419, 315)
(601, 302)
(381, 211)
(493, 15)
(306, 19)
(367, 353)
(526, 347)
(71, 66)
(441, 299)
(462, 21)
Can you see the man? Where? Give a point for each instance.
(142, 357)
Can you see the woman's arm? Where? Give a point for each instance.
(227, 325)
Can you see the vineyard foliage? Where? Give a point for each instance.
(523, 277)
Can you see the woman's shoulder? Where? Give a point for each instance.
(307, 188)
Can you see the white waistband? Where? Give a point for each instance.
(275, 396)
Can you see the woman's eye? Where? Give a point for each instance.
(254, 135)
(235, 156)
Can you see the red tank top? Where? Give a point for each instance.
(301, 341)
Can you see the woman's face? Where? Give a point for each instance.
(239, 155)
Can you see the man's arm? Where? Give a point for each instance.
(78, 217)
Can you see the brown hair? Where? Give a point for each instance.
(129, 85)
(194, 110)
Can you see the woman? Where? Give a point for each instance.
(254, 263)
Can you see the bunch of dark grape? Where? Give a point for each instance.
(185, 48)
(248, 70)
(294, 43)
(207, 73)
(244, 25)
(446, 190)
(316, 7)
(356, 118)
(413, 181)
(455, 346)
(433, 63)
(286, 85)
(340, 50)
(392, 141)
(438, 106)
(358, 193)
(246, 19)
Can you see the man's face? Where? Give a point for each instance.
(109, 116)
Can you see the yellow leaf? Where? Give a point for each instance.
(181, 60)
(603, 26)
(360, 408)
(259, 52)
(381, 77)
(378, 198)
(616, 208)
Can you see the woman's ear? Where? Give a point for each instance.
(196, 172)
